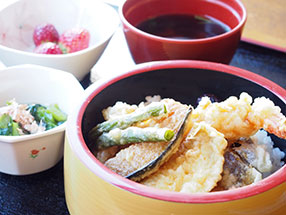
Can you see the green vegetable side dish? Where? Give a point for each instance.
(7, 126)
(50, 116)
(21, 119)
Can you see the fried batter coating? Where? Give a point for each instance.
(237, 172)
(202, 158)
(135, 156)
(269, 116)
(238, 117)
(196, 166)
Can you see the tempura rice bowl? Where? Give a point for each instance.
(91, 187)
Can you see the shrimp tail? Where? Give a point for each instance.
(273, 121)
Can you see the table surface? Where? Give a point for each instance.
(43, 193)
(260, 28)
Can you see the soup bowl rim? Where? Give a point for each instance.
(232, 31)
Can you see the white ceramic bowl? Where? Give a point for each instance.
(18, 21)
(21, 155)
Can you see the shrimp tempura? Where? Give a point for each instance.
(238, 117)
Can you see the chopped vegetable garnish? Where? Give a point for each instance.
(19, 119)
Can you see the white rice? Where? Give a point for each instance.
(269, 158)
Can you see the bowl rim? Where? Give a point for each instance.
(16, 139)
(73, 54)
(78, 146)
(191, 41)
(68, 77)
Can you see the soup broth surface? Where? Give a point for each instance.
(181, 26)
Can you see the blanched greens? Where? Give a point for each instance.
(19, 119)
(50, 116)
(7, 126)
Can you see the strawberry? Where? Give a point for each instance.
(74, 40)
(45, 33)
(48, 48)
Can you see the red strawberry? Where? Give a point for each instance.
(74, 40)
(45, 33)
(48, 48)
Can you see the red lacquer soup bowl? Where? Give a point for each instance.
(150, 47)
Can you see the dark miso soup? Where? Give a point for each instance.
(180, 26)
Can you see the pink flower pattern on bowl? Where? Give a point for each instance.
(35, 153)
